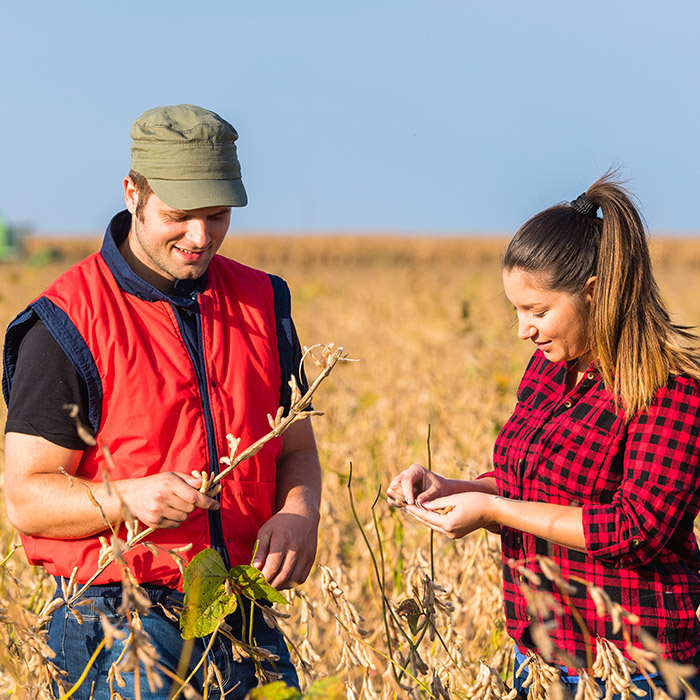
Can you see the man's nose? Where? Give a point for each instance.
(198, 233)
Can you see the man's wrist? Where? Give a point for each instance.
(301, 506)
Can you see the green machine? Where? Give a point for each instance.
(11, 241)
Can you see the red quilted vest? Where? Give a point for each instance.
(157, 417)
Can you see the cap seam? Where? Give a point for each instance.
(172, 179)
(169, 125)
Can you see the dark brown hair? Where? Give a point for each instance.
(635, 343)
(143, 190)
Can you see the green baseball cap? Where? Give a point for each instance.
(188, 155)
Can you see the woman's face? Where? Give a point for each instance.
(556, 322)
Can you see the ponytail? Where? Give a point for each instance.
(635, 343)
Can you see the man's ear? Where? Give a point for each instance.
(131, 196)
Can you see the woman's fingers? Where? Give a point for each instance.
(433, 520)
(404, 487)
(456, 515)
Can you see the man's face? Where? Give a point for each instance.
(166, 244)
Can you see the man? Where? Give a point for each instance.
(165, 347)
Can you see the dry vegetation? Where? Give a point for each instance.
(434, 335)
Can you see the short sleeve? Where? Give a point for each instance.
(44, 382)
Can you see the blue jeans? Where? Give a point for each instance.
(75, 643)
(571, 682)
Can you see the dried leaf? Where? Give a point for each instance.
(411, 612)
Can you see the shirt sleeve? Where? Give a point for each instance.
(486, 475)
(44, 382)
(657, 500)
(297, 371)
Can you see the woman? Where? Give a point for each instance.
(599, 465)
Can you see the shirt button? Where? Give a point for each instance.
(568, 404)
(636, 542)
(590, 375)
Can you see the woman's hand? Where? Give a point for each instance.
(450, 506)
(417, 485)
(458, 514)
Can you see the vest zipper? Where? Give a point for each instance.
(216, 529)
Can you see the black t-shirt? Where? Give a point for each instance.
(44, 382)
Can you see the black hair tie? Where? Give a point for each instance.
(583, 205)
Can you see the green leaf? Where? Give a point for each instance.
(278, 690)
(413, 621)
(199, 620)
(206, 600)
(326, 689)
(251, 582)
(207, 569)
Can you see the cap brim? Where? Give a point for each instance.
(196, 194)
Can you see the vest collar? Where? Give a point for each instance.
(185, 290)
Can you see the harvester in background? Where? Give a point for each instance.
(15, 247)
(12, 241)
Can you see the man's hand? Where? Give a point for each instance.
(287, 541)
(287, 547)
(42, 501)
(164, 500)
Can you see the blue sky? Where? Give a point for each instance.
(444, 116)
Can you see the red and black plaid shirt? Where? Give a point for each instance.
(638, 485)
